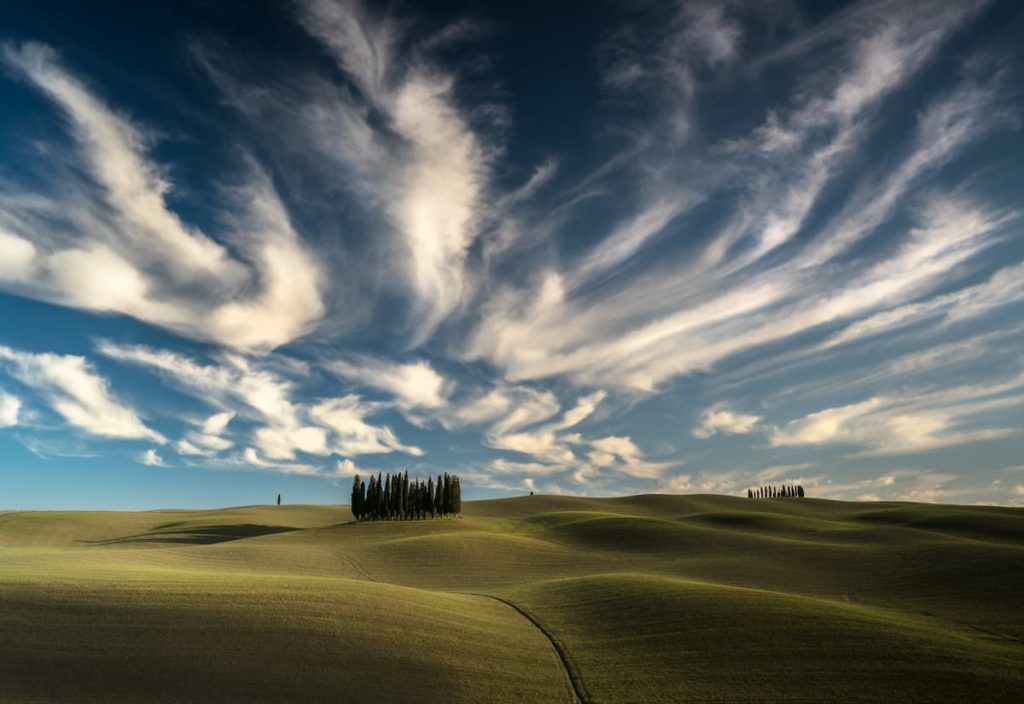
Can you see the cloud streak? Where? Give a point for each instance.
(72, 387)
(126, 251)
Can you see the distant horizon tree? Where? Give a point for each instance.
(785, 491)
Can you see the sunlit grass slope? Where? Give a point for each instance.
(647, 599)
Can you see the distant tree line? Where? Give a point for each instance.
(394, 497)
(772, 492)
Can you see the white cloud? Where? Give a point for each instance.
(546, 442)
(131, 253)
(152, 459)
(623, 455)
(215, 424)
(902, 484)
(778, 472)
(599, 322)
(555, 451)
(1005, 286)
(279, 443)
(10, 407)
(347, 468)
(429, 172)
(944, 128)
(262, 393)
(721, 420)
(677, 484)
(251, 388)
(545, 334)
(209, 439)
(897, 424)
(503, 466)
(212, 442)
(251, 459)
(184, 447)
(354, 436)
(17, 258)
(584, 408)
(526, 407)
(74, 390)
(414, 385)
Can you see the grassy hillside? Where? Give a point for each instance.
(639, 599)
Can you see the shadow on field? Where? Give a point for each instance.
(197, 535)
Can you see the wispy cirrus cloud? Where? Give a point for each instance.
(151, 458)
(412, 384)
(110, 242)
(395, 134)
(10, 409)
(71, 386)
(283, 424)
(907, 423)
(628, 328)
(719, 419)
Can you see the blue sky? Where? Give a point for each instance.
(611, 248)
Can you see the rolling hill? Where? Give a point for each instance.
(534, 599)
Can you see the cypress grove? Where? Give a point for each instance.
(771, 492)
(393, 497)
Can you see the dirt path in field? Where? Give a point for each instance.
(572, 674)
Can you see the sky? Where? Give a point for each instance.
(595, 248)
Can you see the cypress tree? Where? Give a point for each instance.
(456, 496)
(438, 497)
(403, 497)
(378, 498)
(369, 498)
(363, 499)
(446, 495)
(428, 498)
(393, 512)
(375, 506)
(357, 504)
(396, 489)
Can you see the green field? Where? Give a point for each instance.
(639, 599)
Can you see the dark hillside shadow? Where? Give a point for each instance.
(196, 535)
